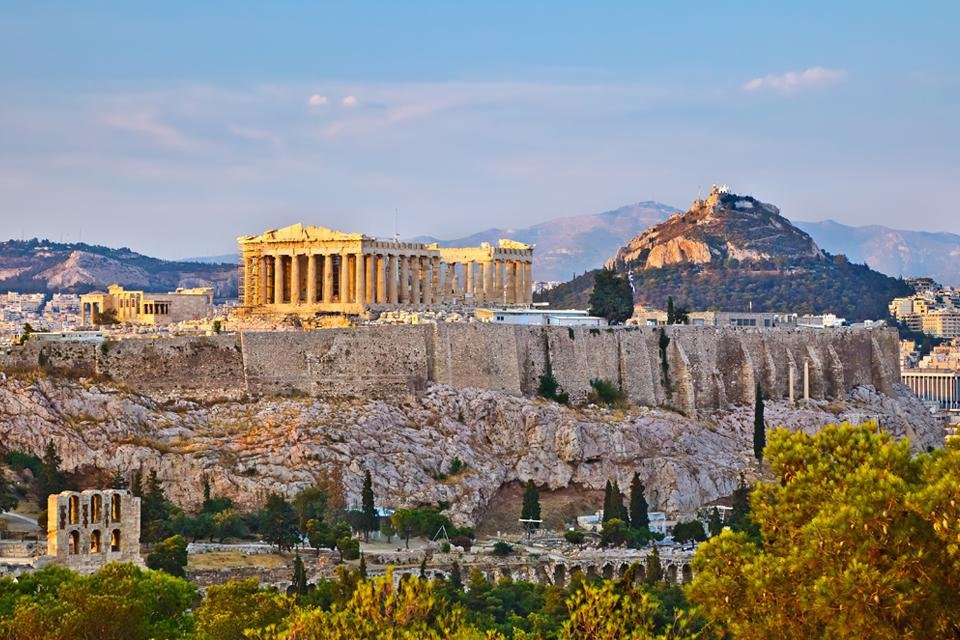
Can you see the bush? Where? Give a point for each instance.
(462, 541)
(349, 548)
(689, 531)
(170, 555)
(550, 389)
(456, 466)
(573, 536)
(501, 548)
(605, 392)
(19, 460)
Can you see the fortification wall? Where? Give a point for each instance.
(686, 368)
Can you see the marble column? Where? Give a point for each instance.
(361, 266)
(311, 279)
(262, 277)
(393, 278)
(328, 278)
(344, 288)
(247, 284)
(528, 282)
(468, 278)
(278, 279)
(436, 284)
(806, 379)
(415, 276)
(381, 279)
(294, 279)
(370, 265)
(498, 294)
(511, 282)
(403, 293)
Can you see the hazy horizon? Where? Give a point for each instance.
(174, 130)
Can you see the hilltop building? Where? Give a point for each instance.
(138, 307)
(307, 270)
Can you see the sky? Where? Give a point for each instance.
(174, 127)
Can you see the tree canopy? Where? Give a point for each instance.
(612, 297)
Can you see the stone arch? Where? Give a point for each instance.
(607, 571)
(115, 507)
(96, 507)
(505, 573)
(641, 572)
(592, 572)
(74, 504)
(95, 541)
(560, 575)
(74, 543)
(115, 540)
(672, 573)
(623, 569)
(686, 573)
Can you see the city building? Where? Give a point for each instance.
(539, 316)
(139, 307)
(933, 311)
(934, 378)
(655, 318)
(307, 270)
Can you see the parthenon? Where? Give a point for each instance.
(306, 269)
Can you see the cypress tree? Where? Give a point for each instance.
(639, 519)
(608, 511)
(456, 579)
(531, 505)
(299, 586)
(136, 484)
(363, 567)
(619, 509)
(423, 568)
(117, 481)
(654, 569)
(369, 510)
(759, 428)
(671, 312)
(50, 480)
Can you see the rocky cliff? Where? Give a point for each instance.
(249, 448)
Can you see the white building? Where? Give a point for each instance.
(540, 317)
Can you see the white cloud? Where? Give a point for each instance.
(148, 123)
(794, 81)
(349, 101)
(317, 100)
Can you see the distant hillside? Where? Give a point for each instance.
(36, 266)
(892, 251)
(731, 251)
(569, 246)
(226, 258)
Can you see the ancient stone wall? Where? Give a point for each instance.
(685, 368)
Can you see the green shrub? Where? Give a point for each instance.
(605, 392)
(550, 389)
(573, 536)
(501, 548)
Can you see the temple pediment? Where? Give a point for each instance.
(301, 233)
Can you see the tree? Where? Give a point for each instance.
(574, 536)
(653, 569)
(228, 609)
(369, 520)
(386, 529)
(278, 522)
(867, 547)
(407, 522)
(310, 504)
(136, 484)
(155, 511)
(612, 297)
(8, 499)
(608, 508)
(299, 585)
(117, 480)
(501, 548)
(614, 533)
(759, 428)
(613, 506)
(362, 569)
(169, 555)
(349, 548)
(531, 506)
(456, 578)
(671, 315)
(714, 524)
(639, 518)
(50, 480)
(691, 530)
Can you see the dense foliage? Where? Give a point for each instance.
(836, 285)
(859, 540)
(612, 297)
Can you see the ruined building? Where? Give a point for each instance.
(87, 529)
(308, 270)
(139, 307)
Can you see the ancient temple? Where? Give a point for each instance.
(306, 270)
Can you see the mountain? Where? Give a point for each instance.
(225, 258)
(892, 251)
(571, 245)
(36, 266)
(731, 251)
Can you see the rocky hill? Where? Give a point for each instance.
(36, 266)
(572, 245)
(894, 252)
(251, 447)
(729, 252)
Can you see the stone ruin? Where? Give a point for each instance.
(88, 529)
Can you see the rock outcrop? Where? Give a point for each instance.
(249, 448)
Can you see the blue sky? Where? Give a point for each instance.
(173, 128)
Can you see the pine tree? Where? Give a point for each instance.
(639, 518)
(50, 480)
(714, 524)
(136, 484)
(759, 428)
(154, 510)
(369, 510)
(531, 505)
(299, 586)
(117, 481)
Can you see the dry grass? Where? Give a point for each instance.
(235, 560)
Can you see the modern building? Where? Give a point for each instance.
(656, 318)
(139, 307)
(539, 317)
(936, 312)
(307, 270)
